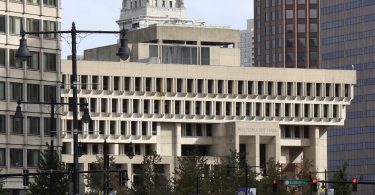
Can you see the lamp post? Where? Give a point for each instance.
(123, 52)
(247, 167)
(53, 130)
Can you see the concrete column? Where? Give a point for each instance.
(318, 148)
(252, 149)
(178, 139)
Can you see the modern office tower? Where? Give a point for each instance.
(176, 106)
(139, 14)
(247, 44)
(287, 33)
(347, 42)
(33, 81)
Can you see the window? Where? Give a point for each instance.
(313, 27)
(15, 25)
(49, 93)
(2, 124)
(51, 3)
(32, 25)
(33, 93)
(301, 28)
(170, 4)
(163, 5)
(49, 61)
(301, 14)
(289, 14)
(2, 91)
(33, 62)
(49, 26)
(16, 91)
(48, 129)
(16, 157)
(35, 2)
(313, 13)
(2, 157)
(2, 24)
(13, 61)
(33, 158)
(16, 125)
(33, 125)
(2, 57)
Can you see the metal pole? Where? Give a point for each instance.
(106, 168)
(75, 111)
(52, 129)
(325, 181)
(310, 176)
(198, 184)
(246, 182)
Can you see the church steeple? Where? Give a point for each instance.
(142, 13)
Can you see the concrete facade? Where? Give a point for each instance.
(347, 42)
(178, 44)
(173, 108)
(247, 44)
(34, 80)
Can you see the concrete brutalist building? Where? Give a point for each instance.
(186, 90)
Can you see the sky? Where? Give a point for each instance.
(102, 15)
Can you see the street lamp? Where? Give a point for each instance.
(23, 53)
(53, 129)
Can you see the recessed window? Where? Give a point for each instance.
(33, 158)
(313, 13)
(34, 2)
(16, 157)
(2, 24)
(13, 61)
(33, 125)
(16, 91)
(50, 61)
(2, 91)
(2, 124)
(33, 94)
(2, 157)
(16, 125)
(33, 62)
(49, 93)
(15, 25)
(50, 26)
(32, 25)
(51, 3)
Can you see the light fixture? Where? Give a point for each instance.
(23, 52)
(123, 51)
(86, 115)
(18, 113)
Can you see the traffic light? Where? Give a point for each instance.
(123, 177)
(354, 184)
(25, 177)
(274, 185)
(314, 185)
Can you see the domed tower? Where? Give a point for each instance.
(142, 13)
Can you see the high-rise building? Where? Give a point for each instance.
(347, 42)
(35, 80)
(247, 44)
(287, 33)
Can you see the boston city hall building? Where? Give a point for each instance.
(183, 90)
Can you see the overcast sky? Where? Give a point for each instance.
(102, 14)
